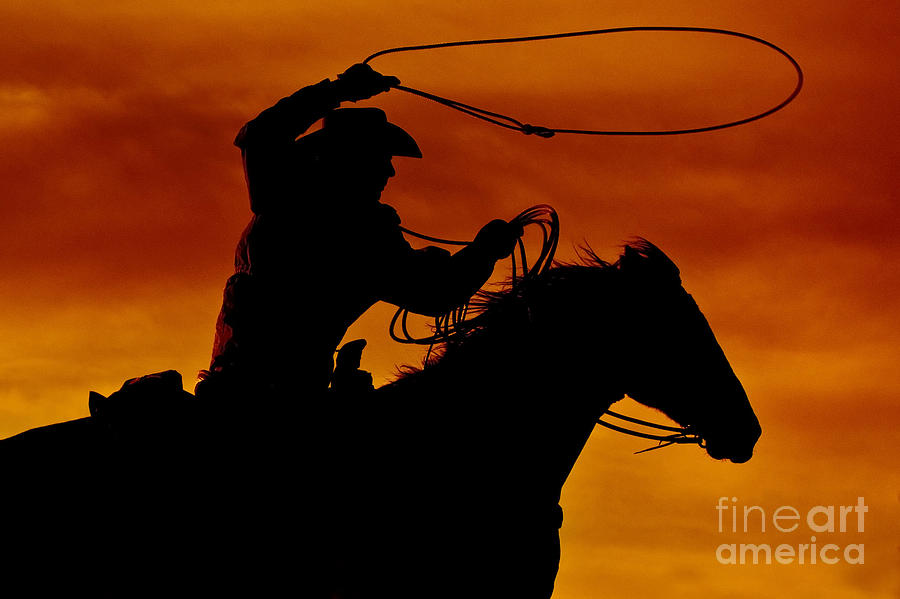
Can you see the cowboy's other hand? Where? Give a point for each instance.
(498, 238)
(361, 81)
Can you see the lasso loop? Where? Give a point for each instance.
(509, 122)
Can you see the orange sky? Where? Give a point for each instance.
(124, 197)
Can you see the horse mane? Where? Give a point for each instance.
(493, 312)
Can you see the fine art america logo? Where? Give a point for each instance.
(788, 520)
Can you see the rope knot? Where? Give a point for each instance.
(537, 130)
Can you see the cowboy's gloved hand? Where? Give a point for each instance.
(498, 238)
(361, 81)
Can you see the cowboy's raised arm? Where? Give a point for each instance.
(268, 149)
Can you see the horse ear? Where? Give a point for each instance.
(629, 259)
(648, 261)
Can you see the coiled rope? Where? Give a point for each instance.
(509, 122)
(544, 218)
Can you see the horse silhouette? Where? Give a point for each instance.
(443, 483)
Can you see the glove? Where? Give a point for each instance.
(497, 239)
(361, 81)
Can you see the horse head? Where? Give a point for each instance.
(582, 336)
(671, 359)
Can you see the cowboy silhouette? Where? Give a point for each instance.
(321, 248)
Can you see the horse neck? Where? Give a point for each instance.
(543, 392)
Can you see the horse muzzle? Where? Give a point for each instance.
(737, 447)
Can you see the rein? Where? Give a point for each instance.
(680, 435)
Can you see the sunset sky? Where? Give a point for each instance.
(124, 197)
